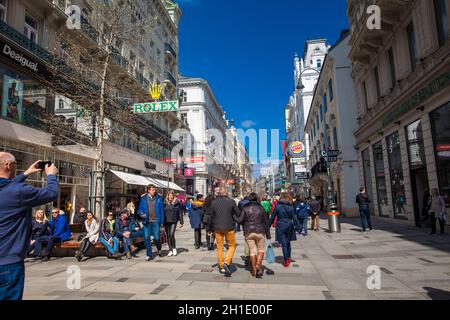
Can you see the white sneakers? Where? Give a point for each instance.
(175, 252)
(170, 254)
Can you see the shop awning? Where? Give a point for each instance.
(172, 185)
(135, 179)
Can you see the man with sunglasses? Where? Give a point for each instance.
(17, 200)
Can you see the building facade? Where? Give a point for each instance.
(210, 131)
(331, 123)
(47, 83)
(402, 75)
(306, 74)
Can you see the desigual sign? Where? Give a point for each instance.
(297, 148)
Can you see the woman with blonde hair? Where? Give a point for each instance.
(39, 228)
(172, 215)
(91, 237)
(284, 212)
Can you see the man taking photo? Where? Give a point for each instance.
(17, 200)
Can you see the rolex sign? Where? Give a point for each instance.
(152, 107)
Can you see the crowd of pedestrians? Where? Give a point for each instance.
(155, 219)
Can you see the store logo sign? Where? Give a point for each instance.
(152, 107)
(297, 148)
(23, 61)
(156, 91)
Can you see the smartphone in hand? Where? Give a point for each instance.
(41, 164)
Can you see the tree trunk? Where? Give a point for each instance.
(100, 163)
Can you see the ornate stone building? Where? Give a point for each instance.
(402, 81)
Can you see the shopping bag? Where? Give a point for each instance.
(270, 254)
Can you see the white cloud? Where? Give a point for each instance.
(248, 123)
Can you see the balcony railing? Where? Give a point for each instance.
(168, 77)
(118, 58)
(24, 42)
(89, 30)
(142, 80)
(170, 50)
(319, 167)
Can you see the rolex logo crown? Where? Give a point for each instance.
(156, 91)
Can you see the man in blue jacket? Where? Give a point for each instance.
(16, 202)
(151, 211)
(59, 232)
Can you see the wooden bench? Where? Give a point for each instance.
(68, 248)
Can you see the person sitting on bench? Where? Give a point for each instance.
(90, 239)
(59, 232)
(39, 228)
(107, 237)
(123, 231)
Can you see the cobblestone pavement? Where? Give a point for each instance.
(414, 265)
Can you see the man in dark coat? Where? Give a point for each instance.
(223, 214)
(362, 199)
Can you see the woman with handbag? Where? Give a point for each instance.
(172, 215)
(437, 209)
(196, 219)
(91, 237)
(256, 228)
(284, 212)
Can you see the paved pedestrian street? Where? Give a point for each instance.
(414, 265)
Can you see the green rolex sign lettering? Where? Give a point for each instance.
(151, 107)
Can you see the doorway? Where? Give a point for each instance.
(419, 182)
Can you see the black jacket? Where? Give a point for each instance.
(254, 219)
(39, 229)
(172, 213)
(79, 218)
(363, 200)
(224, 212)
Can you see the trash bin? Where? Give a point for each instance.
(334, 226)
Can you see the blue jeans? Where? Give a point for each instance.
(286, 243)
(304, 225)
(127, 242)
(365, 215)
(144, 233)
(12, 279)
(111, 249)
(152, 229)
(50, 240)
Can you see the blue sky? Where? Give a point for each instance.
(245, 50)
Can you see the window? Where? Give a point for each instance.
(321, 113)
(364, 92)
(377, 82)
(315, 132)
(440, 128)
(319, 63)
(392, 67)
(396, 171)
(412, 45)
(440, 9)
(330, 89)
(380, 179)
(2, 10)
(317, 122)
(30, 28)
(325, 108)
(61, 104)
(335, 139)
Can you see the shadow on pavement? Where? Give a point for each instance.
(437, 294)
(403, 232)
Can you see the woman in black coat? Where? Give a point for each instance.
(285, 212)
(196, 219)
(207, 222)
(172, 215)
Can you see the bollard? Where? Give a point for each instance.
(334, 226)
